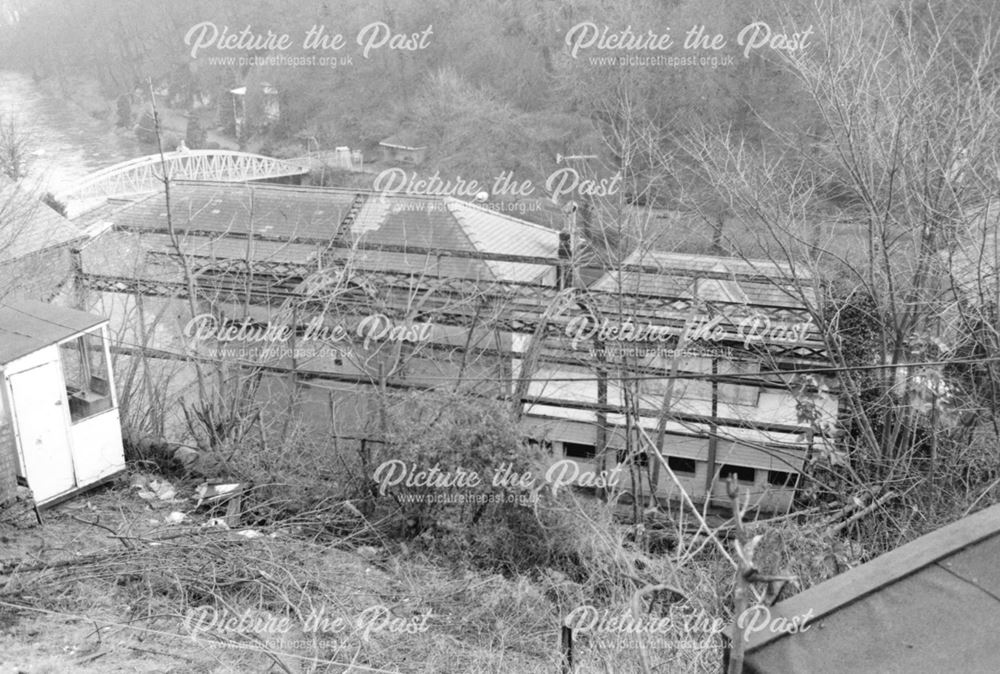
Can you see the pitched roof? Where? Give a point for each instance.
(929, 606)
(239, 209)
(27, 225)
(28, 326)
(300, 224)
(708, 277)
(494, 233)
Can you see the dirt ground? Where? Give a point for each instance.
(75, 625)
(99, 635)
(108, 582)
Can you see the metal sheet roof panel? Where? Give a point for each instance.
(491, 232)
(26, 327)
(755, 282)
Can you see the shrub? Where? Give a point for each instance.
(442, 467)
(195, 136)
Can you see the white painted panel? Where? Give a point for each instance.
(566, 413)
(96, 444)
(559, 430)
(41, 417)
(757, 457)
(686, 447)
(693, 485)
(49, 354)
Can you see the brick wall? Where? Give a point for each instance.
(8, 472)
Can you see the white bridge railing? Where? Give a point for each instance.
(145, 174)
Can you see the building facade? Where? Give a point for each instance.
(340, 292)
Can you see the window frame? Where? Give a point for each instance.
(694, 463)
(723, 473)
(567, 455)
(91, 388)
(787, 483)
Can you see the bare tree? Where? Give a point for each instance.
(15, 148)
(899, 176)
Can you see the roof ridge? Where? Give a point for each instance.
(495, 213)
(464, 229)
(320, 189)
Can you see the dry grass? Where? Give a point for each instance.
(138, 584)
(125, 587)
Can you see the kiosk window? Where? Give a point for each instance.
(87, 375)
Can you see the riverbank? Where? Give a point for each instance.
(85, 100)
(66, 137)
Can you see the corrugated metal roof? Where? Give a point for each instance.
(225, 248)
(28, 326)
(417, 221)
(932, 605)
(370, 217)
(232, 208)
(492, 232)
(27, 225)
(679, 277)
(438, 224)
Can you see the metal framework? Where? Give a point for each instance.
(451, 301)
(145, 174)
(636, 304)
(524, 304)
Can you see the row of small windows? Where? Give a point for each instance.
(777, 478)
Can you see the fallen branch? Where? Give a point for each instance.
(864, 512)
(125, 540)
(18, 566)
(133, 549)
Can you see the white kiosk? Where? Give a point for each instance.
(59, 414)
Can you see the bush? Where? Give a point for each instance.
(151, 454)
(461, 446)
(195, 136)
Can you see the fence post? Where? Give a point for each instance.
(567, 649)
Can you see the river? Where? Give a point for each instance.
(65, 143)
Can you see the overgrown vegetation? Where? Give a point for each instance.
(863, 165)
